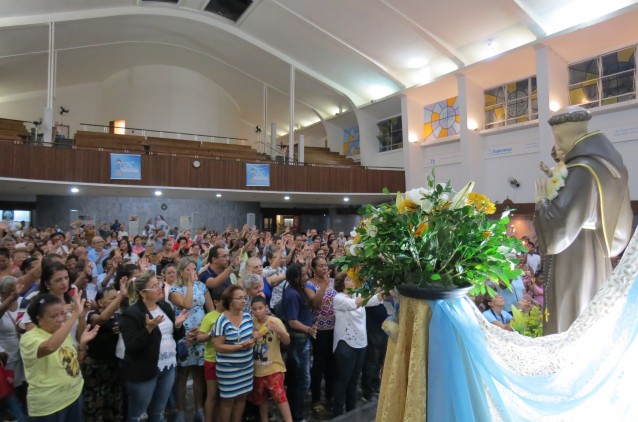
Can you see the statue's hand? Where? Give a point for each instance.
(541, 190)
(545, 169)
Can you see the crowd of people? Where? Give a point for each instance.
(98, 325)
(524, 292)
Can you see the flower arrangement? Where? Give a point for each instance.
(431, 237)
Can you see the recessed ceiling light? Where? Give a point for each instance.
(219, 195)
(73, 210)
(75, 190)
(286, 198)
(158, 193)
(346, 199)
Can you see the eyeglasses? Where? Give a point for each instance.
(240, 298)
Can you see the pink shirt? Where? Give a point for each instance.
(324, 317)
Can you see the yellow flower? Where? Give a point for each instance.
(357, 238)
(487, 234)
(353, 274)
(421, 228)
(407, 206)
(476, 199)
(481, 203)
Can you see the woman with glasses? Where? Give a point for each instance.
(234, 342)
(150, 331)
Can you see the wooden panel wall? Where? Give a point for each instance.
(92, 166)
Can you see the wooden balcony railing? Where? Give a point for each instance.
(38, 162)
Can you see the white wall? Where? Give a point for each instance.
(169, 98)
(82, 100)
(149, 97)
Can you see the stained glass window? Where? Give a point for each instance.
(441, 119)
(514, 102)
(603, 80)
(351, 142)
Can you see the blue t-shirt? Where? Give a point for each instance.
(492, 316)
(512, 297)
(267, 290)
(295, 307)
(212, 274)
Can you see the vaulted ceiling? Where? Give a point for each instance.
(346, 53)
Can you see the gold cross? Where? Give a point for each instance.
(546, 315)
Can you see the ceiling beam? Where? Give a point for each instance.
(526, 16)
(431, 38)
(341, 42)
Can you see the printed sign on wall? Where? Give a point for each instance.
(257, 174)
(126, 167)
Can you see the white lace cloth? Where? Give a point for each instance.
(585, 373)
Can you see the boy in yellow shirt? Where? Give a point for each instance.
(269, 365)
(206, 330)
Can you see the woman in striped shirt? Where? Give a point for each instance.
(234, 342)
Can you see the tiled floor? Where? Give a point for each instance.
(365, 412)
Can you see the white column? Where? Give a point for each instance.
(291, 134)
(413, 154)
(273, 139)
(471, 100)
(47, 118)
(552, 82)
(264, 132)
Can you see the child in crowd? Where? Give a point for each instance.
(206, 332)
(269, 365)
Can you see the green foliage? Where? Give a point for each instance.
(528, 324)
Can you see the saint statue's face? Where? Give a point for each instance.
(566, 135)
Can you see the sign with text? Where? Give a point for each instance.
(257, 174)
(513, 149)
(126, 167)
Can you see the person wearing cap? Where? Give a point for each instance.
(584, 223)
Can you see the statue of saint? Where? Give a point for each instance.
(583, 216)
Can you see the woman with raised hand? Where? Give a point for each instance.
(349, 343)
(188, 294)
(10, 345)
(150, 330)
(55, 281)
(102, 387)
(320, 290)
(297, 315)
(51, 361)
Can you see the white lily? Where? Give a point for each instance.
(460, 198)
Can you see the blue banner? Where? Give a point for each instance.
(257, 174)
(126, 167)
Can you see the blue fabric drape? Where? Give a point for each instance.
(477, 373)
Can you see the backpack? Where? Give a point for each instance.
(278, 310)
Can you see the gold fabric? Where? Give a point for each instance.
(403, 385)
